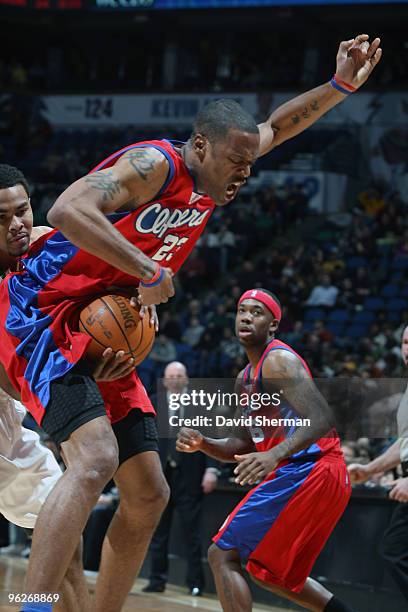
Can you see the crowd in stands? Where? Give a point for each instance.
(343, 291)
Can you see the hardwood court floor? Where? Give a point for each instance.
(12, 572)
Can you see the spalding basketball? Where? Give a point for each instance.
(112, 322)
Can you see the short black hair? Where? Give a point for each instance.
(218, 117)
(11, 176)
(272, 295)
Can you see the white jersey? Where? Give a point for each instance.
(28, 470)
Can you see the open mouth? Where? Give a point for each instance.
(244, 331)
(232, 189)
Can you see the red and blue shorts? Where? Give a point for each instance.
(282, 524)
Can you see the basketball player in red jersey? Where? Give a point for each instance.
(282, 524)
(131, 222)
(28, 469)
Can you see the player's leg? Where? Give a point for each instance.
(75, 418)
(232, 588)
(90, 455)
(144, 494)
(286, 552)
(74, 590)
(313, 596)
(280, 529)
(30, 472)
(159, 550)
(234, 593)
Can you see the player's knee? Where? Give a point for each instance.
(149, 504)
(98, 468)
(92, 454)
(156, 499)
(214, 556)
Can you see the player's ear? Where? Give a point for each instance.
(200, 145)
(273, 326)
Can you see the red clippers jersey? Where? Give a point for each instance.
(40, 305)
(266, 437)
(167, 228)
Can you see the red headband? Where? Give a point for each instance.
(267, 300)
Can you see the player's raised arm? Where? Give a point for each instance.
(298, 389)
(356, 59)
(80, 211)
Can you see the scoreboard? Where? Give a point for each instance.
(121, 5)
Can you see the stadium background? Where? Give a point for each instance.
(82, 78)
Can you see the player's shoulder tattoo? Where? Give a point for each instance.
(105, 182)
(144, 160)
(283, 364)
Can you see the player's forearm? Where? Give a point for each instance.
(89, 229)
(296, 115)
(388, 460)
(224, 449)
(302, 438)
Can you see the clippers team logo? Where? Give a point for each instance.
(157, 219)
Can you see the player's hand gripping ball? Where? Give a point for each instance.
(112, 322)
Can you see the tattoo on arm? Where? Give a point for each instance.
(141, 161)
(306, 112)
(105, 183)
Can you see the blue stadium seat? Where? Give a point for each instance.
(396, 276)
(356, 262)
(383, 264)
(308, 326)
(385, 249)
(356, 331)
(397, 304)
(389, 291)
(314, 314)
(366, 317)
(400, 263)
(374, 303)
(337, 329)
(147, 372)
(339, 315)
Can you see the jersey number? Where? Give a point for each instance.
(257, 434)
(171, 245)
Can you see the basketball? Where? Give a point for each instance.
(112, 322)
